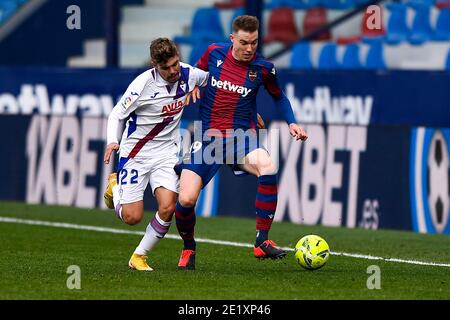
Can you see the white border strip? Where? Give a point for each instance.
(220, 242)
(420, 135)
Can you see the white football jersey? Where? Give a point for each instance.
(154, 107)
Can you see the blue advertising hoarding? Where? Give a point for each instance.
(377, 155)
(412, 98)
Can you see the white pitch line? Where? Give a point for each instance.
(219, 242)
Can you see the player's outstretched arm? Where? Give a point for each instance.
(201, 81)
(195, 94)
(112, 132)
(297, 132)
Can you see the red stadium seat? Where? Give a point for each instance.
(314, 19)
(348, 40)
(230, 4)
(440, 4)
(282, 27)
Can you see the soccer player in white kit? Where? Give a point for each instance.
(148, 150)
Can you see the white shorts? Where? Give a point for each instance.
(137, 173)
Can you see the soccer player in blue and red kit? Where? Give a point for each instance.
(236, 72)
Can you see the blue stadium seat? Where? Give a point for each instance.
(7, 9)
(397, 29)
(427, 2)
(294, 4)
(197, 52)
(351, 57)
(238, 12)
(447, 64)
(359, 3)
(421, 30)
(337, 4)
(328, 57)
(301, 56)
(206, 27)
(442, 29)
(375, 57)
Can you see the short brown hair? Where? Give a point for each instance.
(245, 23)
(162, 49)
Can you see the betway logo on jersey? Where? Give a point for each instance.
(171, 109)
(227, 85)
(325, 108)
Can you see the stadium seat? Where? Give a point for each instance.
(351, 57)
(7, 9)
(313, 20)
(375, 57)
(447, 63)
(348, 40)
(442, 29)
(337, 4)
(423, 2)
(328, 57)
(397, 29)
(206, 27)
(230, 4)
(421, 30)
(362, 2)
(281, 26)
(294, 4)
(301, 56)
(237, 12)
(442, 4)
(197, 51)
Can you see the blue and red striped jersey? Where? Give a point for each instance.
(229, 101)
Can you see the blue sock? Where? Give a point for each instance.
(261, 236)
(265, 206)
(185, 220)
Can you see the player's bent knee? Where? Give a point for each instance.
(165, 212)
(187, 201)
(131, 217)
(267, 169)
(130, 220)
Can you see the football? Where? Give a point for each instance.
(312, 252)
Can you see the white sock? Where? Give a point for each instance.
(116, 195)
(156, 230)
(116, 201)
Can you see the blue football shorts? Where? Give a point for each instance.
(206, 157)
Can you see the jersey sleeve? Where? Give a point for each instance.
(202, 63)
(123, 108)
(201, 77)
(270, 80)
(273, 87)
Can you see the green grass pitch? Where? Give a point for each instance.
(35, 258)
